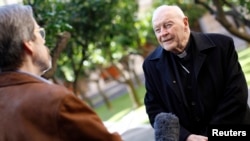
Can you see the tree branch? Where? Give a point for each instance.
(221, 18)
(61, 44)
(210, 9)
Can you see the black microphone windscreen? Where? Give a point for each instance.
(166, 127)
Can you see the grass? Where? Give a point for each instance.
(122, 105)
(244, 59)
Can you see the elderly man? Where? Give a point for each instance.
(195, 76)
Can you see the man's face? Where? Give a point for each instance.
(41, 57)
(170, 30)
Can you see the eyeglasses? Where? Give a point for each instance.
(42, 32)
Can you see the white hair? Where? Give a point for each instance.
(175, 8)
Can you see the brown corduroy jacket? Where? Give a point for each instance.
(33, 109)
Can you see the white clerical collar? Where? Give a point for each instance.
(183, 54)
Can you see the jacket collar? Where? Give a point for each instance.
(17, 78)
(201, 41)
(163, 58)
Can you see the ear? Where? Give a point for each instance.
(28, 46)
(185, 20)
(186, 24)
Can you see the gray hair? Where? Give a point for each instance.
(16, 26)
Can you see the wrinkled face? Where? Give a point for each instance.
(41, 57)
(171, 30)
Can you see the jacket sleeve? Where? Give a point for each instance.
(78, 122)
(151, 100)
(233, 107)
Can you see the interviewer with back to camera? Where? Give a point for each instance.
(195, 76)
(33, 109)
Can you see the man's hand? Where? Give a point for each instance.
(194, 137)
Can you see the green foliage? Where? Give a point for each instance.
(245, 3)
(102, 30)
(51, 15)
(144, 28)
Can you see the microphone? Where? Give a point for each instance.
(167, 127)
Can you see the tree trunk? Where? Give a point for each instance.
(133, 94)
(103, 95)
(61, 44)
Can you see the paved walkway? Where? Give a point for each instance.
(143, 132)
(131, 128)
